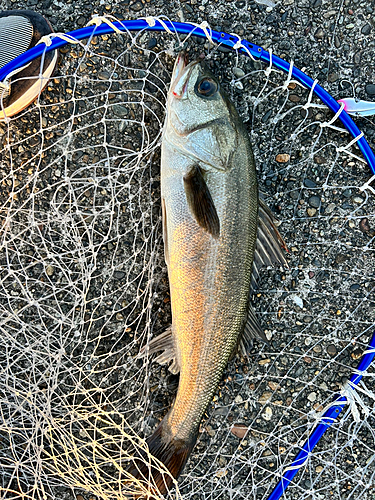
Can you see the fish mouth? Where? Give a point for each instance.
(181, 74)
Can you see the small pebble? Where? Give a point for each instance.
(239, 430)
(311, 212)
(264, 362)
(331, 349)
(137, 6)
(370, 89)
(266, 396)
(319, 34)
(309, 183)
(152, 43)
(282, 158)
(50, 270)
(319, 468)
(332, 77)
(366, 30)
(103, 75)
(320, 160)
(364, 225)
(294, 98)
(314, 201)
(312, 397)
(120, 110)
(297, 300)
(267, 415)
(238, 399)
(273, 385)
(356, 354)
(238, 72)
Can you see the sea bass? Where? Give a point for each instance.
(216, 236)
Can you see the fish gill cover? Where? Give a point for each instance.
(84, 286)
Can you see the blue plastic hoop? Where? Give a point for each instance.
(246, 48)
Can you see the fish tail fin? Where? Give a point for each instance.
(172, 453)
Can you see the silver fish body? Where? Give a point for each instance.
(209, 276)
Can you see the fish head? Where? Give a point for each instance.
(201, 120)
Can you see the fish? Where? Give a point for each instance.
(217, 235)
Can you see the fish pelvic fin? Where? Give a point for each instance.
(163, 342)
(163, 450)
(269, 246)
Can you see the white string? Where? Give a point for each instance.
(367, 185)
(338, 113)
(47, 39)
(98, 20)
(311, 93)
(287, 81)
(298, 466)
(269, 69)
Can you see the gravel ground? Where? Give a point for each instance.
(327, 222)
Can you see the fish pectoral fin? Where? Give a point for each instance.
(252, 331)
(269, 244)
(200, 201)
(163, 342)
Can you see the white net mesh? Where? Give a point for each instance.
(84, 286)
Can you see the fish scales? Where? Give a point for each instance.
(209, 278)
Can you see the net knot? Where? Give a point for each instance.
(328, 124)
(351, 392)
(205, 27)
(98, 20)
(238, 44)
(46, 39)
(367, 185)
(150, 21)
(4, 86)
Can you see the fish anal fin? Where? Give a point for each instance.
(163, 342)
(200, 201)
(252, 330)
(270, 246)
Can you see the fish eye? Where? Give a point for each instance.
(206, 87)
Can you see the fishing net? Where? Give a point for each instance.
(84, 286)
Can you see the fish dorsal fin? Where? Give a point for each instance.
(200, 201)
(269, 245)
(163, 342)
(252, 331)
